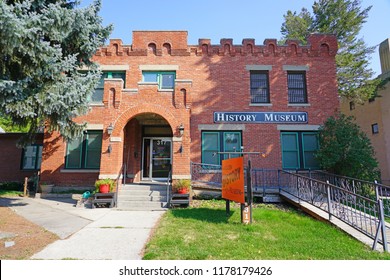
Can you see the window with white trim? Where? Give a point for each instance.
(164, 79)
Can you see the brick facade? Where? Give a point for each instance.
(11, 166)
(209, 78)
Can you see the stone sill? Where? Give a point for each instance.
(96, 104)
(260, 104)
(79, 170)
(298, 105)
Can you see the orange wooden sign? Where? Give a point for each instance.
(233, 179)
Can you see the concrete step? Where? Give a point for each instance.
(150, 197)
(141, 205)
(272, 199)
(131, 197)
(141, 193)
(141, 209)
(134, 187)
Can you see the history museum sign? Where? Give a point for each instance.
(260, 117)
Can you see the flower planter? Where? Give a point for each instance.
(46, 188)
(104, 188)
(182, 191)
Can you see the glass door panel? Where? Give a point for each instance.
(161, 157)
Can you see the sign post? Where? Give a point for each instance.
(233, 184)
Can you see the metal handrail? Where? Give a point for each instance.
(206, 174)
(373, 190)
(169, 185)
(123, 174)
(360, 212)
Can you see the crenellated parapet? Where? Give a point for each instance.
(174, 43)
(318, 44)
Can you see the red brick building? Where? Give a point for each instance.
(162, 101)
(17, 162)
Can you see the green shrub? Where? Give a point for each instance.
(346, 150)
(11, 186)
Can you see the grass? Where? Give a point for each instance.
(7, 193)
(205, 232)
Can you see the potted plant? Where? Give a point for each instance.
(46, 187)
(105, 185)
(182, 186)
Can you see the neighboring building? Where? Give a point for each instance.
(19, 163)
(162, 102)
(374, 116)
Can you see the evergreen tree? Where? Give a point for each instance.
(8, 126)
(345, 19)
(297, 26)
(44, 44)
(346, 150)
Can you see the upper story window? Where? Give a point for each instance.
(297, 92)
(99, 91)
(84, 152)
(165, 80)
(259, 87)
(32, 157)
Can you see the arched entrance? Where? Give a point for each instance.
(148, 148)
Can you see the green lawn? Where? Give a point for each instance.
(7, 193)
(205, 232)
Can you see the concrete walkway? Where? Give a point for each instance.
(87, 234)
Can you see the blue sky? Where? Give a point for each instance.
(215, 20)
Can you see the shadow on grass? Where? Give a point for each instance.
(203, 214)
(11, 202)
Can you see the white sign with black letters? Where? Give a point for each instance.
(260, 117)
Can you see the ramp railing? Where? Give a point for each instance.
(372, 190)
(362, 213)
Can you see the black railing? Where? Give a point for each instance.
(265, 180)
(206, 175)
(372, 190)
(169, 185)
(362, 213)
(120, 179)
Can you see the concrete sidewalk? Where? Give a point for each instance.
(87, 234)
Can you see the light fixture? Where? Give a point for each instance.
(110, 129)
(181, 129)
